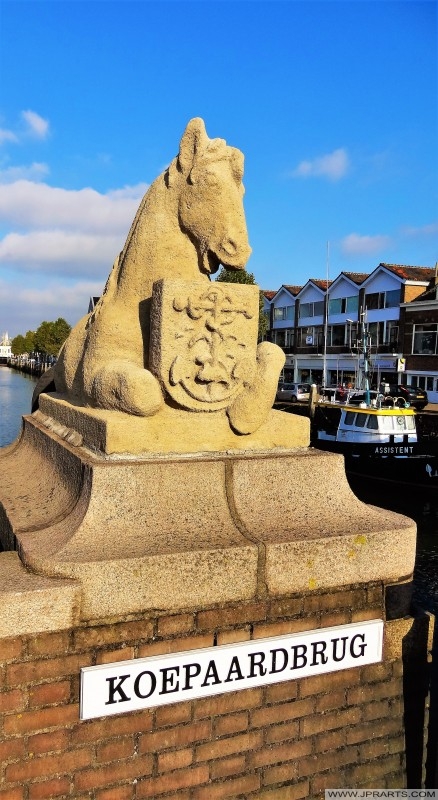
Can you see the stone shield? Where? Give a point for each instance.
(203, 341)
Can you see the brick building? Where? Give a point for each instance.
(419, 333)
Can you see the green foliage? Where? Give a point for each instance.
(50, 336)
(23, 344)
(242, 276)
(47, 339)
(236, 276)
(18, 345)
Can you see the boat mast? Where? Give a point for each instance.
(324, 357)
(366, 373)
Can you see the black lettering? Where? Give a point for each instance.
(362, 646)
(234, 669)
(192, 671)
(259, 664)
(211, 674)
(137, 684)
(113, 688)
(274, 667)
(344, 647)
(318, 650)
(170, 682)
(299, 656)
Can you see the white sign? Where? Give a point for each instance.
(146, 682)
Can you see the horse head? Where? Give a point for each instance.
(208, 173)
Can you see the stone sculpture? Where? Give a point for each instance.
(190, 221)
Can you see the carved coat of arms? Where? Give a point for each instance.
(203, 341)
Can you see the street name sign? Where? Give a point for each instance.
(109, 689)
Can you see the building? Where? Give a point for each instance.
(419, 331)
(319, 325)
(5, 348)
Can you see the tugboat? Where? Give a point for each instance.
(377, 435)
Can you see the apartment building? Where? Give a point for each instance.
(321, 326)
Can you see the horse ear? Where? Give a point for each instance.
(194, 140)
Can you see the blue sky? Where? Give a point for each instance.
(334, 105)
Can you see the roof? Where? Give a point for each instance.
(409, 273)
(321, 284)
(356, 277)
(269, 293)
(292, 289)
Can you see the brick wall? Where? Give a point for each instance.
(281, 742)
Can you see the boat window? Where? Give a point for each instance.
(349, 417)
(387, 424)
(361, 420)
(410, 423)
(372, 422)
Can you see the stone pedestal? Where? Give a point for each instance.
(176, 530)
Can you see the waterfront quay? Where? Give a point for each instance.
(30, 366)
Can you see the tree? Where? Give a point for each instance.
(23, 344)
(242, 276)
(18, 345)
(50, 336)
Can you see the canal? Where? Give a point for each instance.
(15, 397)
(16, 391)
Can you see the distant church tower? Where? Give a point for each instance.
(5, 348)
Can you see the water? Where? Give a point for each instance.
(16, 391)
(424, 511)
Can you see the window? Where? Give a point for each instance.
(335, 306)
(336, 335)
(352, 304)
(311, 336)
(344, 305)
(283, 337)
(424, 340)
(283, 312)
(382, 299)
(306, 337)
(315, 309)
(372, 301)
(391, 331)
(375, 330)
(392, 298)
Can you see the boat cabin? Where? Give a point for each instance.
(351, 426)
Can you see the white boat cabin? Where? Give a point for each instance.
(366, 425)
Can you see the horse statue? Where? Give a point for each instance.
(189, 222)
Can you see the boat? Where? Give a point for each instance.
(378, 434)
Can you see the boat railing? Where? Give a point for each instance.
(350, 398)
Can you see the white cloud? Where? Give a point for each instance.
(423, 230)
(7, 136)
(58, 251)
(57, 247)
(36, 125)
(356, 245)
(332, 166)
(23, 308)
(31, 172)
(27, 204)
